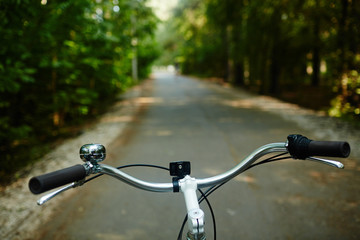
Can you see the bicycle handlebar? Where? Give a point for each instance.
(56, 179)
(318, 148)
(298, 146)
(168, 187)
(135, 182)
(243, 165)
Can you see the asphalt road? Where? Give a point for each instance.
(186, 119)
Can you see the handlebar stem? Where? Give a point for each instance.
(188, 187)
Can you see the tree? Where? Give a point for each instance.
(273, 47)
(61, 62)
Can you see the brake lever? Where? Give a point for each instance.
(332, 163)
(51, 195)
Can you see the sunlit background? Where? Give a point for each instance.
(169, 80)
(82, 54)
(163, 9)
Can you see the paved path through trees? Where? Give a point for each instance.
(185, 119)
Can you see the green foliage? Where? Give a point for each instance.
(272, 47)
(61, 62)
(347, 103)
(147, 51)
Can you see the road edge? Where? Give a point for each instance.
(20, 215)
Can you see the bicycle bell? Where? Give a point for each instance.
(93, 153)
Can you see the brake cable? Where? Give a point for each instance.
(207, 192)
(215, 187)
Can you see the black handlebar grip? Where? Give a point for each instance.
(301, 147)
(56, 179)
(329, 149)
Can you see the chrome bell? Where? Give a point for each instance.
(93, 153)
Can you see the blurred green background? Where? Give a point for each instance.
(62, 61)
(303, 51)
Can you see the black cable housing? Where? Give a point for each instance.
(204, 195)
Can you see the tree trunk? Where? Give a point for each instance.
(315, 77)
(342, 36)
(239, 73)
(238, 55)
